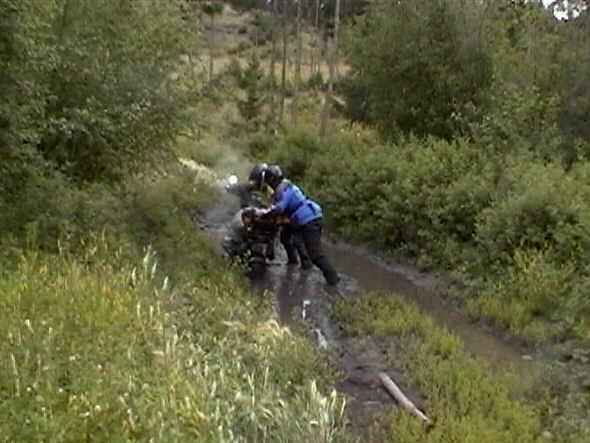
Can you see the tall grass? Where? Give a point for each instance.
(101, 350)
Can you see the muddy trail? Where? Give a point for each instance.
(302, 296)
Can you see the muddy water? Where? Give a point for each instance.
(373, 274)
(301, 295)
(363, 272)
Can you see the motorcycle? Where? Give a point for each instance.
(251, 236)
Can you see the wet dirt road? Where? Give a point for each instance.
(374, 274)
(302, 296)
(362, 273)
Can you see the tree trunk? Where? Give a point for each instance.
(284, 61)
(318, 52)
(297, 81)
(273, 59)
(331, 62)
(336, 49)
(211, 46)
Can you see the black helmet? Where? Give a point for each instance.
(273, 176)
(256, 176)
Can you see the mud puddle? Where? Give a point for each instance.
(372, 273)
(301, 296)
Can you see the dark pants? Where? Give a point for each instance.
(311, 234)
(294, 247)
(270, 250)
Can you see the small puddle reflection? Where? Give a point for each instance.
(290, 287)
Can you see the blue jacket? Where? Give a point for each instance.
(289, 200)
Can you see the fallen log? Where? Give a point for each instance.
(400, 397)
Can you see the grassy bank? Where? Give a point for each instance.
(466, 403)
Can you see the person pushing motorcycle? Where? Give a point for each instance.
(251, 194)
(305, 215)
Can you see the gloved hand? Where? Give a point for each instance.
(253, 212)
(249, 212)
(261, 212)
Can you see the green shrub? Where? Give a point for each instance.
(522, 119)
(414, 195)
(529, 297)
(536, 208)
(54, 212)
(158, 214)
(437, 194)
(295, 152)
(260, 144)
(252, 106)
(316, 81)
(576, 307)
(234, 69)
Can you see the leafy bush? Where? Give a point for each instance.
(234, 69)
(316, 81)
(158, 215)
(530, 297)
(412, 63)
(576, 306)
(521, 119)
(260, 144)
(251, 108)
(536, 207)
(295, 152)
(102, 101)
(433, 191)
(53, 212)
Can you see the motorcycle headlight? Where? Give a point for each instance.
(232, 180)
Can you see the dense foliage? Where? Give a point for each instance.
(87, 98)
(449, 68)
(480, 166)
(86, 88)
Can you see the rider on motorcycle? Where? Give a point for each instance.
(250, 195)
